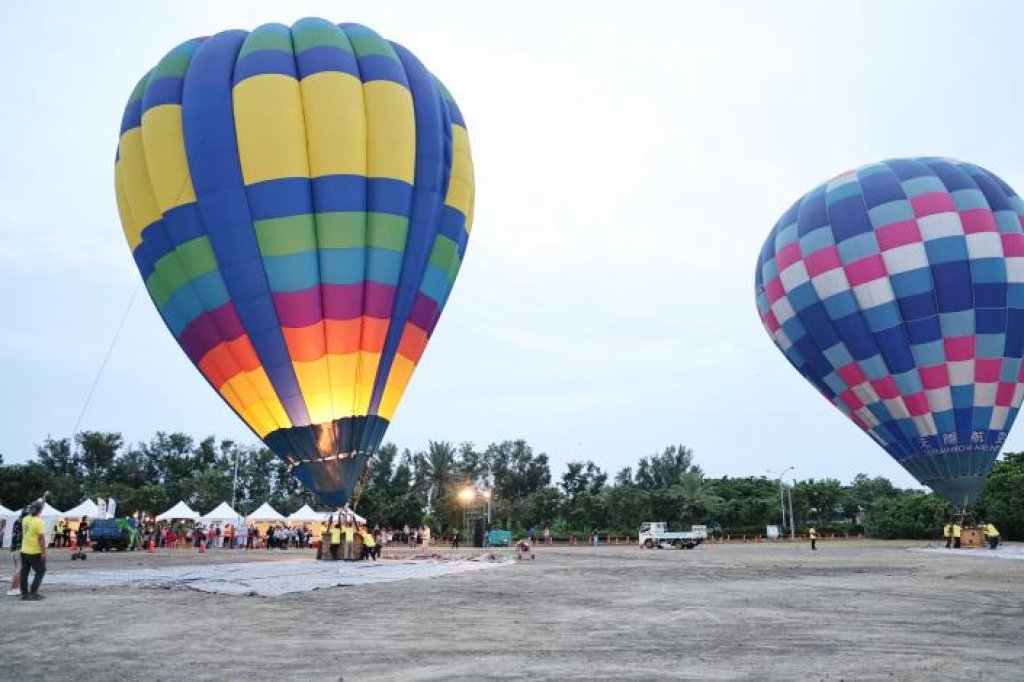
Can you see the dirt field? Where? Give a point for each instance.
(850, 611)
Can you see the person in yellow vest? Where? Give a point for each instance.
(335, 532)
(350, 536)
(58, 534)
(369, 544)
(812, 533)
(956, 530)
(992, 535)
(947, 532)
(33, 552)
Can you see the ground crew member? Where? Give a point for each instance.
(335, 541)
(369, 545)
(33, 552)
(947, 532)
(956, 535)
(812, 533)
(350, 536)
(992, 534)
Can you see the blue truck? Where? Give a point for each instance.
(119, 534)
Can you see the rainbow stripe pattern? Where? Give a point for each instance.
(897, 290)
(298, 201)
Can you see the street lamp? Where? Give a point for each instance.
(782, 497)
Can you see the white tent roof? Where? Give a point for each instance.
(87, 508)
(50, 512)
(265, 513)
(305, 513)
(179, 511)
(223, 512)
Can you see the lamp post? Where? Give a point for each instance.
(782, 497)
(792, 519)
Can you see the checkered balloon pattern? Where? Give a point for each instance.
(897, 290)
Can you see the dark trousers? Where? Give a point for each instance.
(956, 543)
(334, 552)
(814, 542)
(993, 542)
(949, 541)
(32, 562)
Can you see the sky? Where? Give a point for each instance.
(630, 160)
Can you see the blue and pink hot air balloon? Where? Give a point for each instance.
(897, 290)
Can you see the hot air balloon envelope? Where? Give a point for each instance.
(897, 290)
(298, 201)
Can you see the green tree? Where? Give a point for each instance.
(1002, 499)
(916, 516)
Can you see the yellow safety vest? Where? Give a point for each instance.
(991, 531)
(335, 536)
(956, 530)
(947, 530)
(368, 540)
(350, 533)
(813, 533)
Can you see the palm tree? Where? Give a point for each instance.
(435, 470)
(694, 496)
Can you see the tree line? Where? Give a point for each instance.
(405, 487)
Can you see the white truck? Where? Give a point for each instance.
(655, 534)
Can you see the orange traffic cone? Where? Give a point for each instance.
(150, 547)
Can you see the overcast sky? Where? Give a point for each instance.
(630, 160)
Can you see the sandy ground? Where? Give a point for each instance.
(850, 611)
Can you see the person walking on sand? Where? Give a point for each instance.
(947, 532)
(33, 552)
(812, 533)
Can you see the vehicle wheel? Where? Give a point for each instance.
(690, 546)
(648, 544)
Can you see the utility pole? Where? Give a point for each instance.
(782, 499)
(792, 519)
(234, 480)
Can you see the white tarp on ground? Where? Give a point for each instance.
(1013, 551)
(265, 513)
(179, 511)
(87, 508)
(223, 513)
(270, 578)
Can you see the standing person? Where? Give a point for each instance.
(594, 537)
(33, 552)
(455, 539)
(82, 537)
(947, 532)
(547, 535)
(992, 535)
(957, 529)
(15, 590)
(812, 533)
(335, 532)
(533, 535)
(350, 537)
(58, 534)
(425, 536)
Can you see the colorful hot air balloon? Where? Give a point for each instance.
(298, 202)
(897, 290)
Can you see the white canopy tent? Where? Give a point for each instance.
(222, 514)
(49, 516)
(265, 513)
(305, 514)
(7, 519)
(178, 512)
(86, 508)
